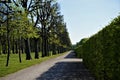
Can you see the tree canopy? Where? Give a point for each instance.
(32, 26)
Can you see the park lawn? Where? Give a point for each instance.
(15, 65)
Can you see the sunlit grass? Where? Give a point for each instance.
(15, 65)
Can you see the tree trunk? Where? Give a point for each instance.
(36, 48)
(16, 46)
(45, 47)
(22, 46)
(4, 49)
(43, 52)
(13, 46)
(13, 49)
(8, 53)
(53, 49)
(0, 49)
(8, 41)
(20, 50)
(48, 48)
(43, 41)
(27, 49)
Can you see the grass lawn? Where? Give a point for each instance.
(15, 65)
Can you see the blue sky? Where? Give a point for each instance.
(86, 17)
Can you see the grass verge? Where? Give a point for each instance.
(15, 65)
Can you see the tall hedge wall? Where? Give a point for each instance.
(101, 52)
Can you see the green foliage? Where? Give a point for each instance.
(20, 26)
(78, 47)
(78, 51)
(82, 41)
(2, 30)
(101, 52)
(39, 22)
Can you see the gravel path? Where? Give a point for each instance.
(65, 67)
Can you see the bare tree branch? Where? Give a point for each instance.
(4, 13)
(30, 4)
(15, 3)
(8, 6)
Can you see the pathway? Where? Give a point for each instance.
(65, 67)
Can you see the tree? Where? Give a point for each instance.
(22, 28)
(28, 7)
(6, 12)
(34, 21)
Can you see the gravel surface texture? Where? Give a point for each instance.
(65, 67)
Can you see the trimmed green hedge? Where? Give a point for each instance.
(101, 52)
(78, 47)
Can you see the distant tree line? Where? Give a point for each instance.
(101, 52)
(32, 26)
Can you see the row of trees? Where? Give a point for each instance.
(101, 52)
(32, 26)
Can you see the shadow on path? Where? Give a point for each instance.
(67, 70)
(71, 55)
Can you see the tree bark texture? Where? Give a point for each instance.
(27, 49)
